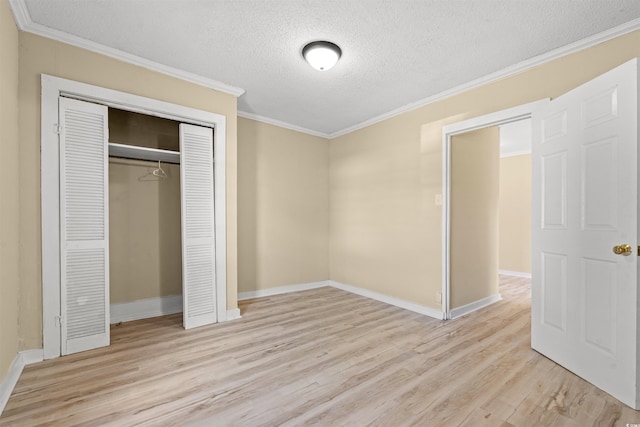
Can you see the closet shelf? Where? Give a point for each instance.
(143, 153)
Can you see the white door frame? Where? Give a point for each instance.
(514, 114)
(52, 89)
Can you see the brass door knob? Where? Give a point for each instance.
(622, 250)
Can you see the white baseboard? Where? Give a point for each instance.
(476, 305)
(21, 360)
(514, 273)
(145, 308)
(10, 381)
(417, 308)
(32, 356)
(407, 305)
(153, 307)
(233, 314)
(281, 290)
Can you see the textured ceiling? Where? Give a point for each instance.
(395, 52)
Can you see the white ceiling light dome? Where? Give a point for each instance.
(322, 55)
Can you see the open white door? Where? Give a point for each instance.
(198, 237)
(585, 203)
(84, 226)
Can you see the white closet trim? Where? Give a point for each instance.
(52, 89)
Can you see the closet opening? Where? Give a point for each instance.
(76, 155)
(145, 257)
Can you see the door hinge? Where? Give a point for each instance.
(59, 321)
(57, 129)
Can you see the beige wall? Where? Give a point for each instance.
(384, 225)
(515, 214)
(9, 188)
(126, 127)
(145, 258)
(283, 224)
(39, 55)
(385, 230)
(475, 171)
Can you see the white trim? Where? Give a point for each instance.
(52, 88)
(520, 67)
(407, 305)
(32, 356)
(514, 273)
(25, 23)
(476, 305)
(10, 381)
(233, 314)
(145, 308)
(493, 119)
(497, 118)
(50, 217)
(260, 293)
(220, 217)
(22, 359)
(20, 13)
(282, 124)
(516, 153)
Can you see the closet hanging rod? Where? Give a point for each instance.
(143, 153)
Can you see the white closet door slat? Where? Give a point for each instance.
(84, 225)
(198, 238)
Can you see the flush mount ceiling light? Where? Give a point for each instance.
(321, 55)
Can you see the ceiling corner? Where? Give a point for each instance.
(282, 124)
(20, 14)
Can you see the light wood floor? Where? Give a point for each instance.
(320, 357)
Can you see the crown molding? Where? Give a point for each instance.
(560, 52)
(20, 13)
(24, 23)
(282, 124)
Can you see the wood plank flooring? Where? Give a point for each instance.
(320, 357)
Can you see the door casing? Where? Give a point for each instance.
(510, 115)
(52, 89)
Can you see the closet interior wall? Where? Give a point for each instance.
(144, 213)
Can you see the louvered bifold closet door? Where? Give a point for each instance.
(198, 238)
(84, 225)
